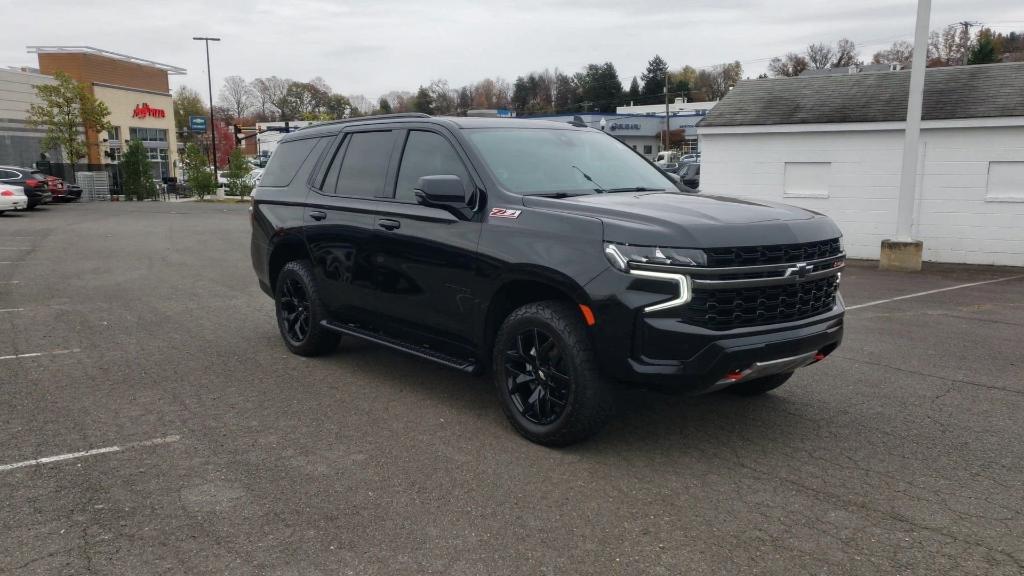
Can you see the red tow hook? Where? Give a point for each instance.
(734, 376)
(818, 357)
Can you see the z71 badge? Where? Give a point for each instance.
(504, 213)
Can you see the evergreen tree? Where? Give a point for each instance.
(136, 178)
(383, 106)
(654, 76)
(984, 51)
(424, 101)
(634, 89)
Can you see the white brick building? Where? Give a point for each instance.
(834, 144)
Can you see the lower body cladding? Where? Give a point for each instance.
(660, 350)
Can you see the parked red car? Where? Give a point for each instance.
(61, 191)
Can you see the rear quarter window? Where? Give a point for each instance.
(286, 160)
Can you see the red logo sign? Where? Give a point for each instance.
(143, 110)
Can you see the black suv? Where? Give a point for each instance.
(550, 254)
(34, 183)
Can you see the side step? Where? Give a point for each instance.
(463, 365)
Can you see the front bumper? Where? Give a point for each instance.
(662, 351)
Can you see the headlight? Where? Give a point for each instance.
(620, 255)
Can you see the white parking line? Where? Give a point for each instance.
(93, 452)
(12, 309)
(915, 295)
(11, 282)
(37, 354)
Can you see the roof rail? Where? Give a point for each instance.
(373, 117)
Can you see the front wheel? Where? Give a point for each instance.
(300, 310)
(547, 377)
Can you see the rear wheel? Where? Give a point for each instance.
(300, 310)
(546, 375)
(760, 385)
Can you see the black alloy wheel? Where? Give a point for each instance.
(295, 310)
(300, 311)
(537, 376)
(546, 375)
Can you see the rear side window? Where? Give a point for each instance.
(426, 154)
(9, 175)
(364, 168)
(285, 161)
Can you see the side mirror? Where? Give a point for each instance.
(443, 190)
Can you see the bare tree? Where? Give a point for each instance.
(361, 103)
(901, 52)
(792, 64)
(820, 55)
(846, 54)
(271, 94)
(236, 96)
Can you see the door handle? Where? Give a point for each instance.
(389, 224)
(317, 215)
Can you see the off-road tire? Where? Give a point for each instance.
(318, 340)
(590, 399)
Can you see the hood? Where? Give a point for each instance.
(693, 221)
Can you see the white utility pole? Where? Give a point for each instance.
(911, 143)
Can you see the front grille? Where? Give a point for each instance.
(727, 309)
(773, 254)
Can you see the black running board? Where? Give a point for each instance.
(460, 364)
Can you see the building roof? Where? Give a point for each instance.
(861, 69)
(980, 91)
(105, 53)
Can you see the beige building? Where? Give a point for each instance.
(137, 92)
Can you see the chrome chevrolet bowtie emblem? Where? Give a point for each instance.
(800, 270)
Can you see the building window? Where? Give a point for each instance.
(807, 179)
(1005, 182)
(114, 134)
(148, 134)
(634, 147)
(648, 149)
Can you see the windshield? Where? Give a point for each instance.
(533, 161)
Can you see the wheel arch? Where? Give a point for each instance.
(285, 250)
(523, 286)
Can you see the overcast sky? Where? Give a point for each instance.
(371, 47)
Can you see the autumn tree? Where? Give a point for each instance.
(187, 103)
(64, 108)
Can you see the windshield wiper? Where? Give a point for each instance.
(591, 180)
(635, 189)
(561, 194)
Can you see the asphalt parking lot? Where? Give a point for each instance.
(137, 332)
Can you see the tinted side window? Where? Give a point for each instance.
(285, 161)
(426, 154)
(364, 168)
(8, 175)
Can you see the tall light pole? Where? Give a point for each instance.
(209, 86)
(904, 253)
